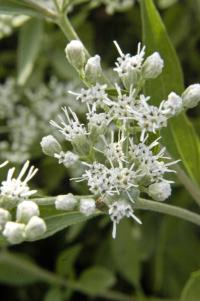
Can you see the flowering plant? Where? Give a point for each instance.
(122, 139)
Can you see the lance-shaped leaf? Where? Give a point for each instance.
(30, 39)
(180, 137)
(24, 7)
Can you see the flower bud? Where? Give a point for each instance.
(159, 191)
(93, 69)
(26, 210)
(4, 217)
(50, 145)
(75, 53)
(65, 202)
(87, 206)
(173, 105)
(35, 228)
(191, 96)
(153, 66)
(14, 232)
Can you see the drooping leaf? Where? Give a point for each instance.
(96, 280)
(191, 291)
(180, 137)
(30, 40)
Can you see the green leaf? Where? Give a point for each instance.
(25, 7)
(62, 220)
(180, 136)
(191, 291)
(96, 280)
(17, 7)
(16, 270)
(54, 294)
(177, 256)
(66, 259)
(30, 41)
(126, 252)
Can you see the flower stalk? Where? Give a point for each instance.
(143, 204)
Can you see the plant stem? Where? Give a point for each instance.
(191, 187)
(143, 204)
(184, 214)
(68, 30)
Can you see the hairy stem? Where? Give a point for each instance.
(143, 204)
(184, 214)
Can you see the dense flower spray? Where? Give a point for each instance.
(118, 144)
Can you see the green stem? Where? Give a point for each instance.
(143, 204)
(191, 187)
(168, 209)
(68, 30)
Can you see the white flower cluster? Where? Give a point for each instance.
(9, 22)
(118, 142)
(113, 6)
(15, 193)
(23, 119)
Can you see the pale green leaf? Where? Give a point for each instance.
(96, 280)
(30, 40)
(180, 136)
(17, 7)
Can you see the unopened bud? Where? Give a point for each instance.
(159, 191)
(65, 202)
(87, 206)
(35, 228)
(153, 66)
(173, 105)
(4, 217)
(93, 70)
(26, 210)
(191, 96)
(50, 145)
(14, 232)
(75, 53)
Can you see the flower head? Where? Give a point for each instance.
(17, 189)
(119, 210)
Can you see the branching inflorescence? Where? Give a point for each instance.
(118, 143)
